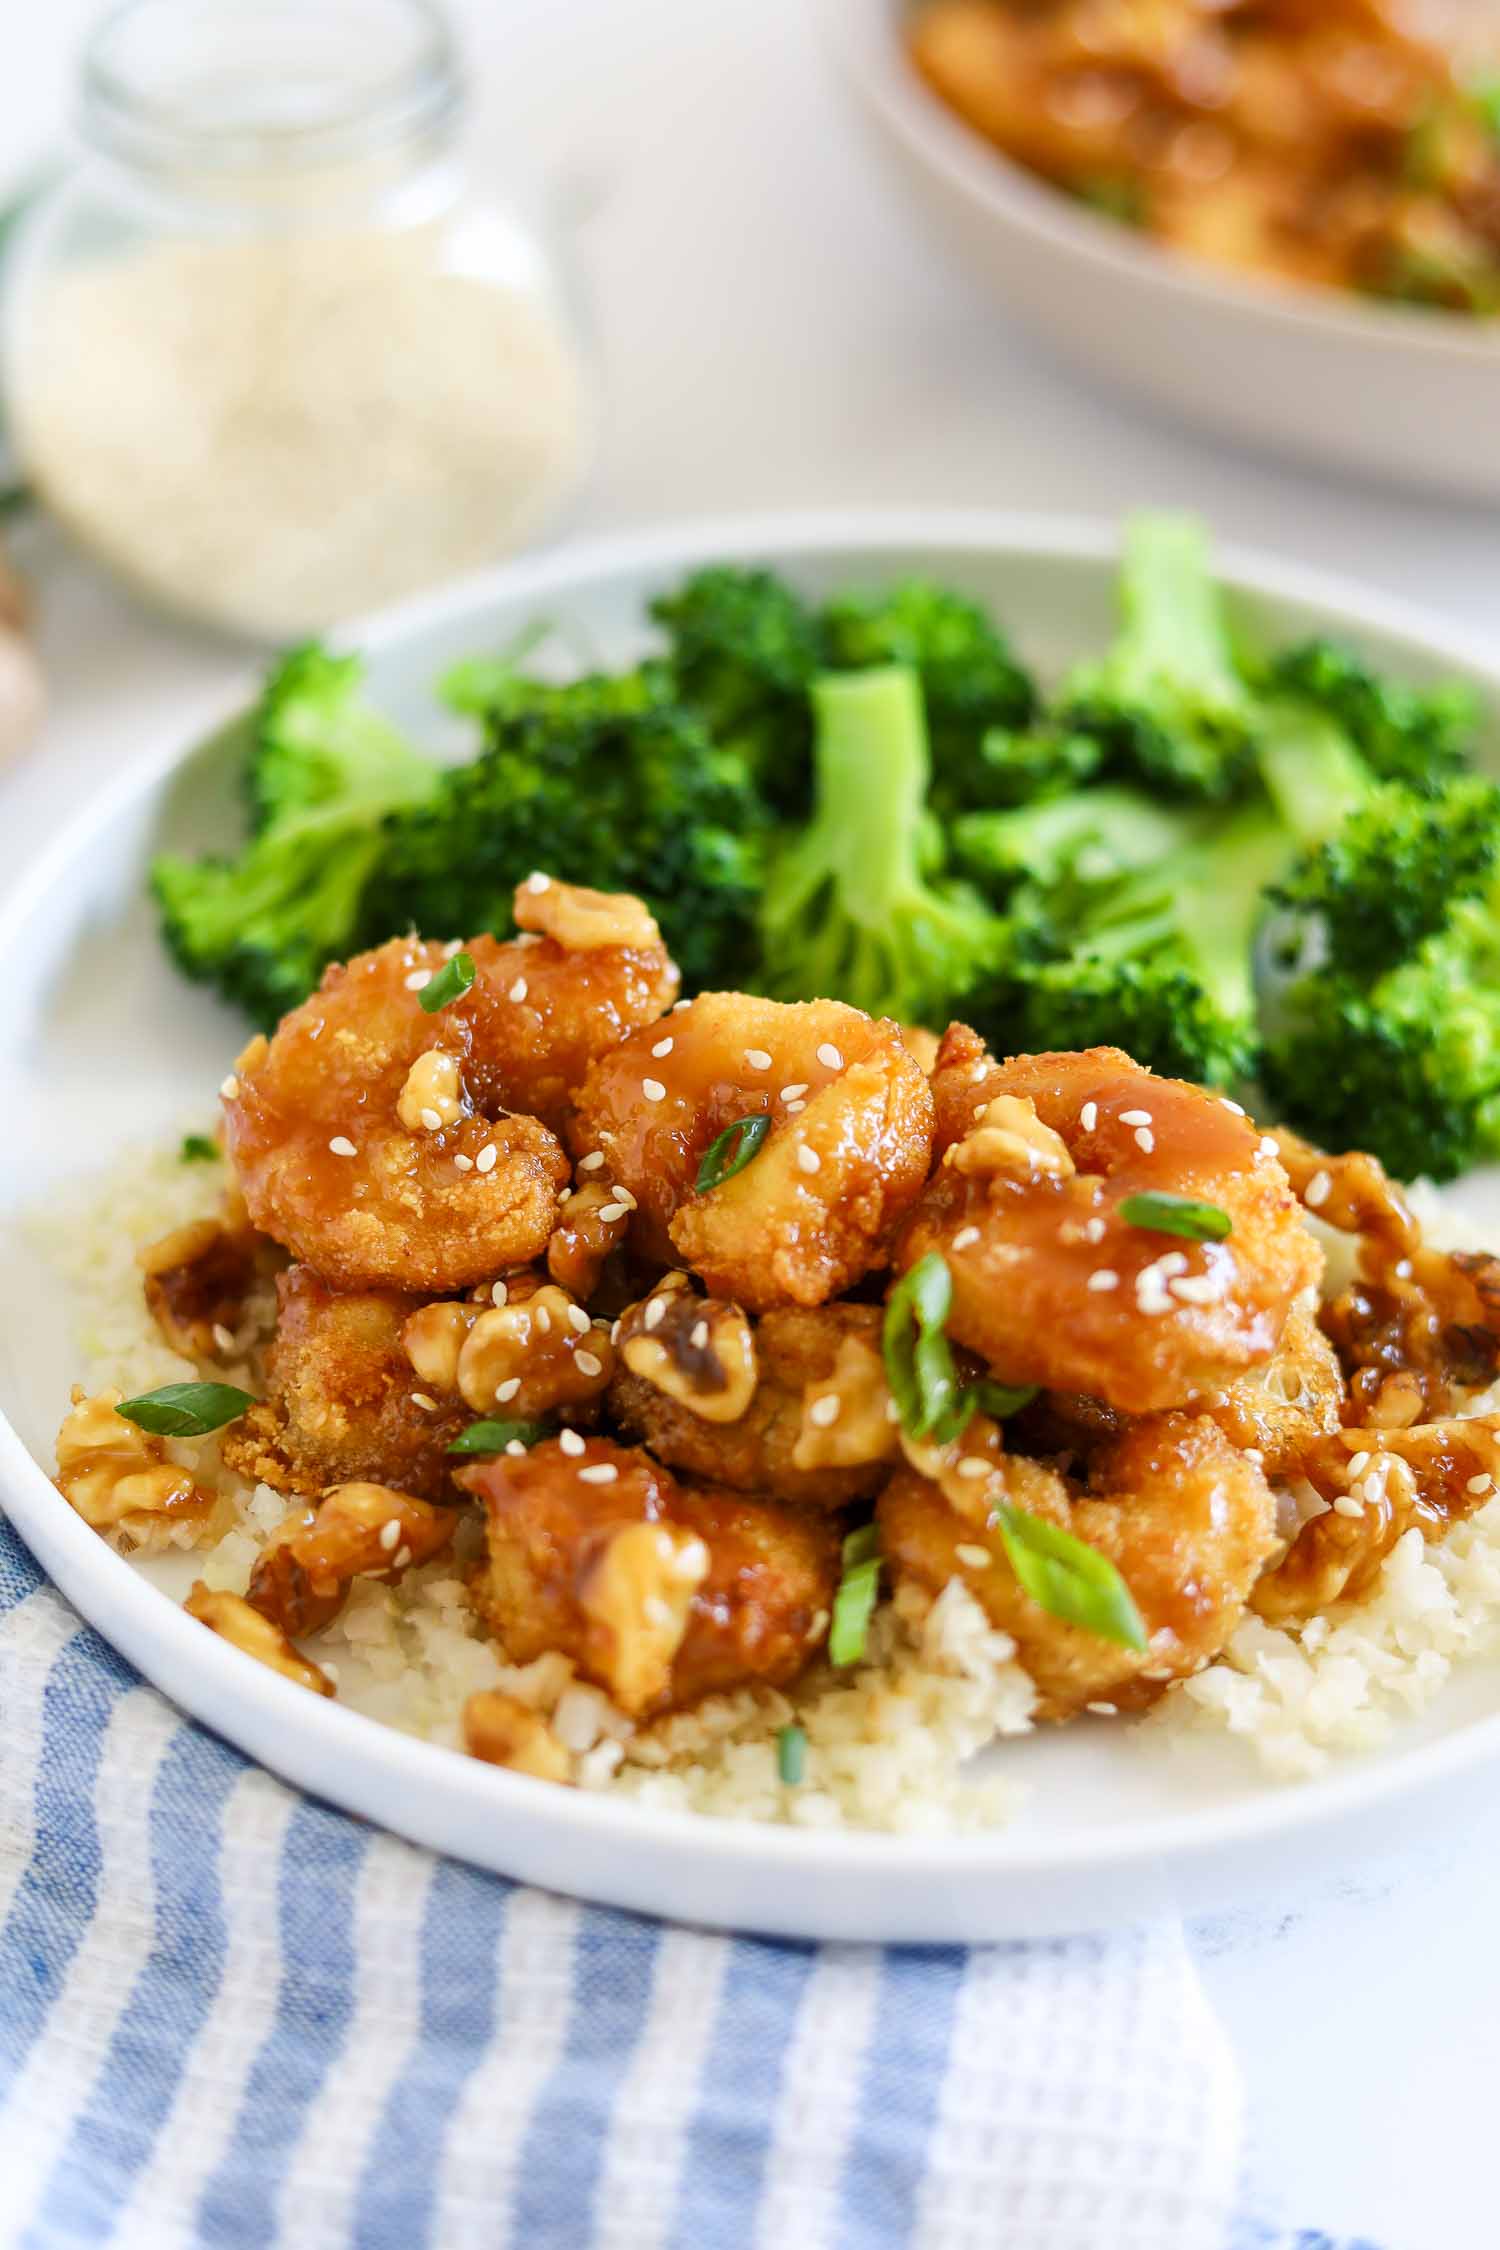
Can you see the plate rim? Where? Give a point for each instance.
(380, 1771)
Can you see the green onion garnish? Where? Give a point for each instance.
(1000, 1400)
(1068, 1578)
(791, 1755)
(186, 1409)
(197, 1148)
(451, 983)
(494, 1437)
(719, 1162)
(854, 1603)
(918, 1364)
(1177, 1214)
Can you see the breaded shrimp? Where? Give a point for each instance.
(1187, 1521)
(815, 1431)
(1050, 1284)
(660, 1592)
(848, 1149)
(344, 1402)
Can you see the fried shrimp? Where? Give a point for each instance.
(1187, 1521)
(661, 1593)
(847, 1152)
(344, 1401)
(1051, 1283)
(1416, 1327)
(811, 1426)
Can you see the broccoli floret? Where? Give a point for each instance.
(323, 772)
(744, 651)
(972, 686)
(1167, 703)
(1089, 836)
(853, 907)
(604, 781)
(1156, 1012)
(1422, 736)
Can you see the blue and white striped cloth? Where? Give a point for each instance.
(230, 2017)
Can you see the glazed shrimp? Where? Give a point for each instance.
(1051, 1285)
(376, 1141)
(660, 1593)
(848, 1150)
(1187, 1521)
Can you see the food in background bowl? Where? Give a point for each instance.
(1348, 143)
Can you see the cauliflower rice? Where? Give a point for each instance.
(888, 1743)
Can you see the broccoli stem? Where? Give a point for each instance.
(872, 770)
(1172, 609)
(1313, 774)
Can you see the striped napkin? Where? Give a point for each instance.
(230, 2016)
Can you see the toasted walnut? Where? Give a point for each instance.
(1008, 1137)
(234, 1620)
(196, 1281)
(639, 1590)
(581, 920)
(846, 1418)
(433, 1095)
(356, 1531)
(699, 1351)
(583, 1237)
(533, 1354)
(433, 1339)
(506, 1733)
(118, 1477)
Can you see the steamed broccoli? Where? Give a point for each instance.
(1167, 703)
(1422, 736)
(324, 770)
(743, 651)
(853, 906)
(607, 781)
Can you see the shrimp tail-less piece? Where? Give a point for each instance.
(660, 1592)
(1052, 1284)
(1187, 1521)
(390, 1147)
(847, 1152)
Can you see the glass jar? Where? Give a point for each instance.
(264, 353)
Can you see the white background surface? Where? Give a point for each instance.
(776, 329)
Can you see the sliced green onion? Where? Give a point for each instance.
(494, 1437)
(197, 1148)
(1068, 1578)
(854, 1603)
(1000, 1400)
(720, 1163)
(451, 983)
(918, 1364)
(1177, 1214)
(791, 1755)
(186, 1409)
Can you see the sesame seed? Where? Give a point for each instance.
(1319, 1188)
(1088, 1116)
(487, 1158)
(543, 1320)
(463, 1163)
(824, 1411)
(570, 1442)
(980, 1070)
(1226, 1103)
(423, 1399)
(588, 1363)
(656, 1611)
(1095, 1231)
(1479, 1484)
(419, 980)
(455, 945)
(795, 1109)
(1103, 1710)
(578, 1319)
(1104, 1278)
(390, 1534)
(341, 1145)
(1145, 1139)
(515, 1447)
(756, 1058)
(829, 1056)
(612, 1211)
(1265, 1146)
(1196, 1288)
(518, 989)
(401, 1558)
(973, 1465)
(1347, 1505)
(592, 1161)
(655, 1312)
(966, 1238)
(1359, 1464)
(1253, 1453)
(506, 1391)
(432, 1121)
(808, 1159)
(223, 1337)
(1153, 1298)
(499, 1292)
(653, 1089)
(598, 1472)
(1172, 1261)
(662, 1047)
(699, 1335)
(679, 1005)
(623, 1195)
(1374, 1485)
(977, 1558)
(538, 883)
(1135, 1117)
(1402, 1271)
(794, 1093)
(229, 1087)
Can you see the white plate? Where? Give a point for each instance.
(1401, 394)
(101, 1044)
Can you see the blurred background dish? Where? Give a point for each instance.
(1260, 332)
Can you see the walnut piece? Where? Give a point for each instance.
(1009, 1138)
(356, 1531)
(433, 1095)
(699, 1351)
(505, 1733)
(639, 1589)
(234, 1620)
(845, 1414)
(119, 1477)
(581, 920)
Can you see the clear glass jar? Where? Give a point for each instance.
(265, 354)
